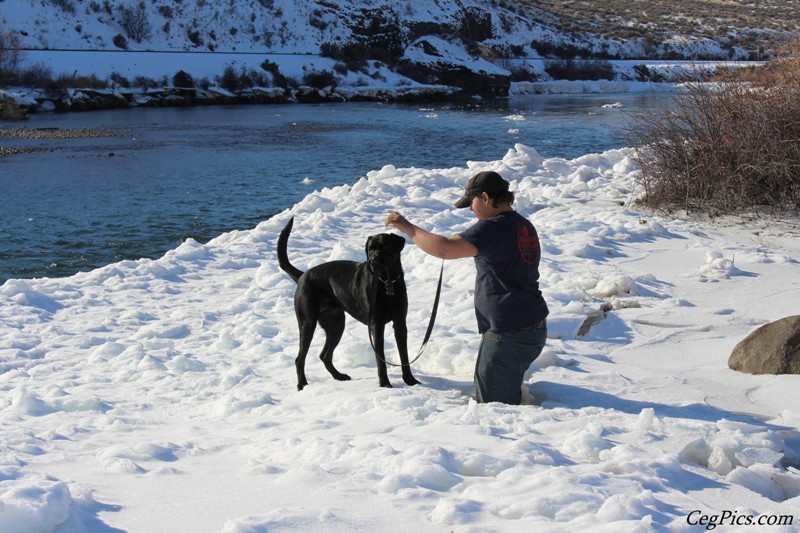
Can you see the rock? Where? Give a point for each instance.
(11, 110)
(773, 348)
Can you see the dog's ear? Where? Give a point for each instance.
(366, 246)
(398, 241)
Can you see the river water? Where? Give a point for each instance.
(164, 175)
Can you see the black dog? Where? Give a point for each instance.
(373, 292)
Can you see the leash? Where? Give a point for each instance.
(430, 322)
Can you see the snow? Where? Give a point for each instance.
(301, 26)
(77, 38)
(160, 395)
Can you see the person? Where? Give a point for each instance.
(509, 307)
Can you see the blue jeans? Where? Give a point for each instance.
(503, 359)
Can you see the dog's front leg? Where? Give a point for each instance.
(401, 338)
(380, 354)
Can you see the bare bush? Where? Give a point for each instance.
(579, 70)
(66, 5)
(120, 41)
(71, 81)
(9, 57)
(725, 147)
(37, 75)
(134, 21)
(320, 80)
(278, 79)
(245, 78)
(143, 82)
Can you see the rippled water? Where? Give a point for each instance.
(169, 174)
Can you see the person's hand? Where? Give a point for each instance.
(396, 220)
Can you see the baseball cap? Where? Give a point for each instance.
(488, 181)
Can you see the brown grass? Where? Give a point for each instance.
(726, 147)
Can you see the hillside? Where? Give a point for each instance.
(755, 26)
(734, 29)
(478, 47)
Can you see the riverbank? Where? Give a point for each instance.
(147, 79)
(17, 103)
(170, 173)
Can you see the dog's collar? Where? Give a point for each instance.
(388, 284)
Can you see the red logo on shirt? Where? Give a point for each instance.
(528, 243)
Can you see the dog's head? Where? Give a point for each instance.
(383, 251)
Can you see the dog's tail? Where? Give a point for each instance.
(283, 258)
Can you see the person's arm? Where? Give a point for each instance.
(436, 245)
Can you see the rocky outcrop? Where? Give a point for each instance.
(773, 348)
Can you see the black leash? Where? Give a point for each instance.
(430, 322)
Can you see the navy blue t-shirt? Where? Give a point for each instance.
(507, 295)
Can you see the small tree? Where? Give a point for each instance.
(230, 79)
(135, 22)
(183, 80)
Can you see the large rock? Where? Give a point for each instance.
(12, 110)
(773, 348)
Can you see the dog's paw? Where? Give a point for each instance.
(386, 385)
(411, 380)
(300, 386)
(341, 377)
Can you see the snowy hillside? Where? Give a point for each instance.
(305, 50)
(302, 26)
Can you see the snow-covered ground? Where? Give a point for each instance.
(160, 395)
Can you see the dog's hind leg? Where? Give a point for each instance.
(332, 322)
(307, 328)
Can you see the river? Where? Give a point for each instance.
(160, 176)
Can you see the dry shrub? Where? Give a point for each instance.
(725, 147)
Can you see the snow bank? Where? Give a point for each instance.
(159, 395)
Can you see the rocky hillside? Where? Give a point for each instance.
(754, 26)
(475, 46)
(705, 29)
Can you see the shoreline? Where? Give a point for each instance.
(17, 103)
